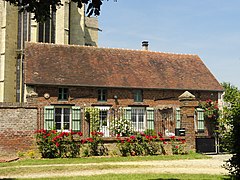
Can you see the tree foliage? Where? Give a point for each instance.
(226, 121)
(230, 127)
(42, 8)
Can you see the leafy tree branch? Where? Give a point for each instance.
(42, 8)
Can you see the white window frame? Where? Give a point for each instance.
(62, 117)
(136, 125)
(178, 118)
(75, 119)
(104, 129)
(200, 120)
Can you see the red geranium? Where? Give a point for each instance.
(93, 133)
(53, 131)
(183, 141)
(57, 144)
(160, 134)
(100, 133)
(132, 137)
(79, 133)
(83, 141)
(90, 140)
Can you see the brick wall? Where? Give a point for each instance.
(87, 96)
(17, 125)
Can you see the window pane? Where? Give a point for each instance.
(103, 118)
(40, 32)
(62, 118)
(53, 22)
(63, 93)
(200, 115)
(66, 119)
(99, 94)
(102, 95)
(47, 30)
(178, 119)
(66, 114)
(58, 113)
(138, 118)
(140, 115)
(58, 126)
(60, 93)
(138, 96)
(66, 126)
(134, 115)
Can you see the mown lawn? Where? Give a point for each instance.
(24, 167)
(24, 162)
(146, 177)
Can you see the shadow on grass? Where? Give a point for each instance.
(165, 179)
(226, 177)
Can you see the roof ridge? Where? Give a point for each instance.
(114, 48)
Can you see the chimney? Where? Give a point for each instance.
(145, 45)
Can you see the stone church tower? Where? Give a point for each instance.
(68, 25)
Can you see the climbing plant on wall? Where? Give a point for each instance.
(211, 110)
(92, 116)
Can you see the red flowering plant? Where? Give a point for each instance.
(125, 146)
(178, 145)
(211, 110)
(94, 145)
(139, 144)
(53, 144)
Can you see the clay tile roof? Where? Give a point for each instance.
(73, 65)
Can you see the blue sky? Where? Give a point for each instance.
(208, 28)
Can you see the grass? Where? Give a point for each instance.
(146, 177)
(65, 166)
(23, 170)
(25, 162)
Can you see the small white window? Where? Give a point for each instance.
(102, 94)
(138, 95)
(200, 120)
(63, 94)
(178, 118)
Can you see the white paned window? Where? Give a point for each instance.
(62, 118)
(178, 118)
(200, 120)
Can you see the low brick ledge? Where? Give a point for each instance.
(7, 159)
(9, 105)
(115, 139)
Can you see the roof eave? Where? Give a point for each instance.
(124, 87)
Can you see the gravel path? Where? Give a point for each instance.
(194, 166)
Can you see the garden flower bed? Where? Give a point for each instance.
(53, 144)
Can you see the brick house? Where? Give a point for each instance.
(64, 80)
